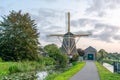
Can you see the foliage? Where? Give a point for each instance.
(67, 74)
(46, 61)
(114, 56)
(49, 61)
(19, 37)
(55, 53)
(105, 74)
(75, 63)
(80, 52)
(75, 57)
(52, 49)
(108, 61)
(51, 76)
(21, 76)
(61, 60)
(102, 54)
(14, 67)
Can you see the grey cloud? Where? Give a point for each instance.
(46, 25)
(117, 37)
(74, 23)
(103, 36)
(43, 15)
(54, 29)
(44, 34)
(46, 13)
(46, 16)
(45, 19)
(106, 33)
(109, 32)
(108, 27)
(83, 32)
(99, 6)
(83, 22)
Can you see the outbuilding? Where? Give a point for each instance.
(90, 53)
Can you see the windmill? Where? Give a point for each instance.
(68, 43)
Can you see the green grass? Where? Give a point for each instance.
(4, 67)
(7, 68)
(69, 73)
(105, 74)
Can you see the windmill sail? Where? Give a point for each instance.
(68, 21)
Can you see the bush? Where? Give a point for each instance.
(49, 61)
(55, 53)
(75, 57)
(75, 63)
(40, 60)
(62, 60)
(46, 61)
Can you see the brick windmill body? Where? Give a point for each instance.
(68, 42)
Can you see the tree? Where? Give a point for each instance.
(54, 52)
(18, 37)
(52, 49)
(102, 54)
(80, 52)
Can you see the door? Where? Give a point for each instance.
(90, 57)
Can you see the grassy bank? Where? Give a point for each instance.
(105, 74)
(67, 74)
(7, 68)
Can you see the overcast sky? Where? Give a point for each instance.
(99, 17)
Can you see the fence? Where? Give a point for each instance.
(116, 67)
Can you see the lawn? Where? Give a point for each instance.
(67, 74)
(105, 74)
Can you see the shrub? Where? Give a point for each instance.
(75, 63)
(49, 61)
(40, 60)
(55, 53)
(61, 60)
(75, 57)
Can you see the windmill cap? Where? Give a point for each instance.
(68, 34)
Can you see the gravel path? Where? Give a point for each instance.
(89, 72)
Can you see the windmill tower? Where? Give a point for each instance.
(69, 43)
